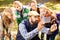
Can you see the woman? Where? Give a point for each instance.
(7, 18)
(49, 20)
(20, 13)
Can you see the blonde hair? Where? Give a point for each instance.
(49, 11)
(18, 3)
(9, 10)
(7, 21)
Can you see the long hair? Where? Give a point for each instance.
(49, 13)
(6, 20)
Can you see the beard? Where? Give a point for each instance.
(35, 24)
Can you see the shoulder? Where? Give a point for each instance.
(22, 22)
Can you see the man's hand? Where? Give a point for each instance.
(40, 25)
(53, 28)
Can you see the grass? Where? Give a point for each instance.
(53, 5)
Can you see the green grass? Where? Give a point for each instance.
(53, 5)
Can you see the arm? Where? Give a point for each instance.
(45, 30)
(49, 30)
(27, 35)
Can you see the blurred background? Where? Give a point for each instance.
(52, 4)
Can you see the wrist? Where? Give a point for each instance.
(39, 28)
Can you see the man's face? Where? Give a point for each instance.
(17, 6)
(33, 18)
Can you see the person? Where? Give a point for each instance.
(57, 37)
(1, 27)
(49, 20)
(28, 29)
(20, 12)
(7, 19)
(33, 5)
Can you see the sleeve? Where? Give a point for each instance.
(45, 30)
(27, 35)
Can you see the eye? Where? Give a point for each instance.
(36, 16)
(17, 7)
(29, 15)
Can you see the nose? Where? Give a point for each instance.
(32, 17)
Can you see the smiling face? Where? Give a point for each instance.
(33, 18)
(7, 17)
(33, 5)
(18, 6)
(8, 13)
(45, 12)
(45, 15)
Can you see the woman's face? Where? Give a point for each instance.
(9, 15)
(45, 12)
(17, 6)
(45, 15)
(33, 5)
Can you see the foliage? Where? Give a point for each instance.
(53, 5)
(7, 2)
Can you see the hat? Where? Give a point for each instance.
(33, 13)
